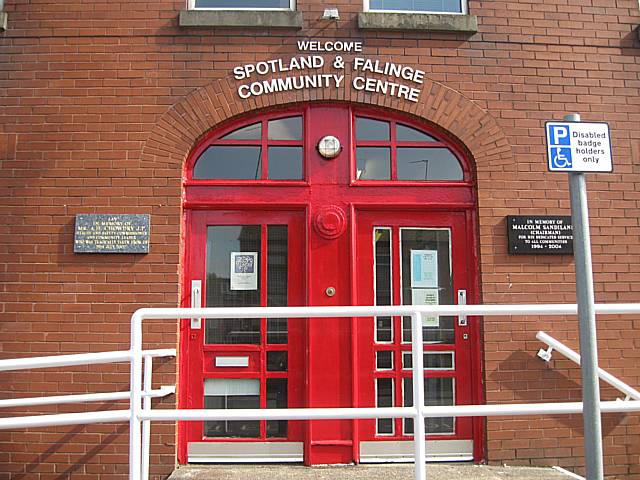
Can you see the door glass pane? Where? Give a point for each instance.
(277, 361)
(427, 164)
(384, 360)
(285, 163)
(277, 280)
(427, 280)
(277, 398)
(222, 243)
(383, 281)
(250, 132)
(229, 162)
(369, 129)
(384, 398)
(437, 392)
(286, 129)
(431, 360)
(373, 163)
(231, 393)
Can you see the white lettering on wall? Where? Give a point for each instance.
(394, 85)
(278, 66)
(329, 46)
(388, 68)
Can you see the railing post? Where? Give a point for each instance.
(146, 424)
(135, 450)
(419, 443)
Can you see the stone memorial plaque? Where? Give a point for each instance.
(540, 234)
(107, 233)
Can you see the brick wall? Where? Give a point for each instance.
(96, 118)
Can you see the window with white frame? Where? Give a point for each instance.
(416, 6)
(242, 4)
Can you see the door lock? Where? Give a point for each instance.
(330, 291)
(196, 302)
(462, 300)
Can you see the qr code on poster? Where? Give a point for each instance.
(244, 264)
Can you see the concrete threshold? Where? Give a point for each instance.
(362, 472)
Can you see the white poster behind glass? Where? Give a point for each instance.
(244, 271)
(424, 269)
(426, 296)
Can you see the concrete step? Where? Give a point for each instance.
(362, 472)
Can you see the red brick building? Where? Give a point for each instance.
(211, 122)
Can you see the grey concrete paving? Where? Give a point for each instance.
(362, 472)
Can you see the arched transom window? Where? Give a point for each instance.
(273, 149)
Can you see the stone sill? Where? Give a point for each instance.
(4, 17)
(240, 18)
(428, 22)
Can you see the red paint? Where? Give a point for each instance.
(463, 348)
(330, 216)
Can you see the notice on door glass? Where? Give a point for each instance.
(426, 296)
(244, 271)
(424, 269)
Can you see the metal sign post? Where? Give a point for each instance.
(587, 323)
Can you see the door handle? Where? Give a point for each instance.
(196, 302)
(462, 300)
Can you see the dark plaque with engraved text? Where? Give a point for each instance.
(540, 234)
(107, 233)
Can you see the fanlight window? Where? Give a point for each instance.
(266, 150)
(272, 149)
(387, 150)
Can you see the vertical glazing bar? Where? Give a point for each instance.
(146, 424)
(419, 443)
(135, 450)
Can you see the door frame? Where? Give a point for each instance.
(464, 276)
(358, 196)
(193, 349)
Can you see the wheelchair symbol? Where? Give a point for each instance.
(562, 158)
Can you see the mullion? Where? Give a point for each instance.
(263, 326)
(264, 155)
(397, 324)
(392, 159)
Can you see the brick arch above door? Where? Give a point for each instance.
(180, 128)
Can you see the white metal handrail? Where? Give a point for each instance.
(81, 418)
(143, 414)
(81, 398)
(78, 359)
(140, 415)
(86, 417)
(574, 356)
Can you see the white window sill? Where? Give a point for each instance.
(429, 22)
(241, 18)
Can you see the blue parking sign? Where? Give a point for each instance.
(561, 157)
(578, 147)
(558, 135)
(559, 142)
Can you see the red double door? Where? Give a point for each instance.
(327, 239)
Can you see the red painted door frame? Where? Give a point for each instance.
(397, 220)
(333, 202)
